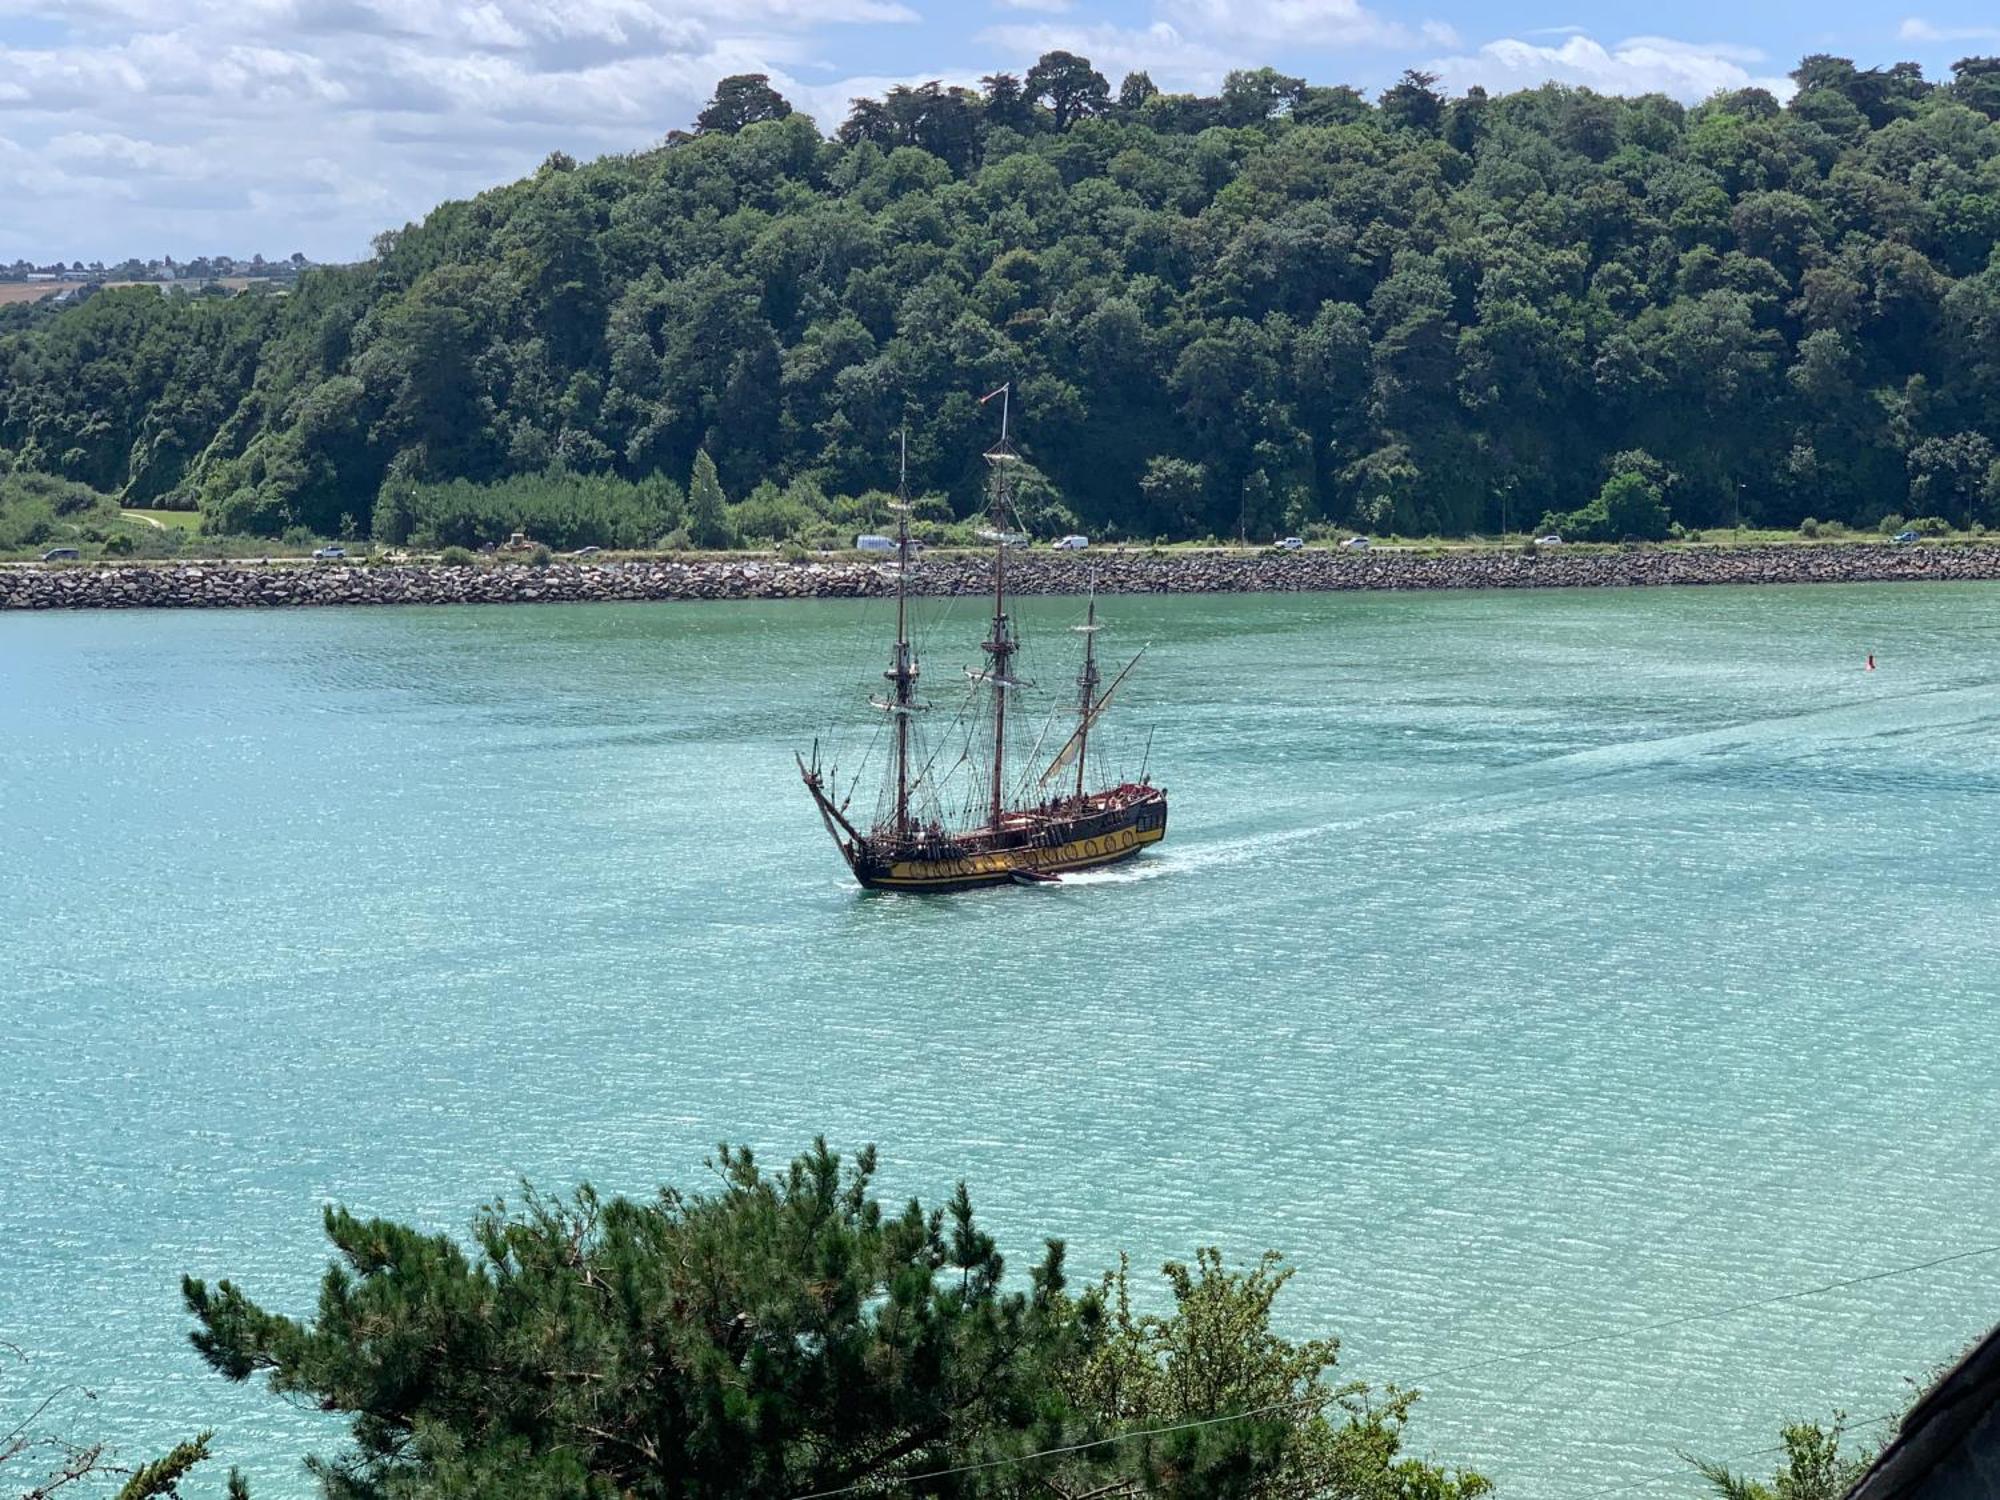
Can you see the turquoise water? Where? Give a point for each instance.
(1527, 967)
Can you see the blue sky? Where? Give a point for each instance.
(192, 126)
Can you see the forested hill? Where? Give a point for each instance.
(1279, 305)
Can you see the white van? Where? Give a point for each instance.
(874, 544)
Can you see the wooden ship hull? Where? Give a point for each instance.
(1031, 844)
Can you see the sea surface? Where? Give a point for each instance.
(1531, 969)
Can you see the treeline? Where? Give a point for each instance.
(1239, 314)
(134, 269)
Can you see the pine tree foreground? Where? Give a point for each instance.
(784, 1334)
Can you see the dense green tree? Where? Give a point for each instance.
(1006, 106)
(1949, 475)
(1071, 87)
(788, 1333)
(1135, 90)
(1976, 84)
(1250, 96)
(1414, 103)
(1404, 314)
(741, 99)
(707, 506)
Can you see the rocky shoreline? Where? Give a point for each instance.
(230, 585)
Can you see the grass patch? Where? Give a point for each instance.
(185, 520)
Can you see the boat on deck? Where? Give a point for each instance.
(1045, 822)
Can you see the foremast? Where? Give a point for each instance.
(1000, 645)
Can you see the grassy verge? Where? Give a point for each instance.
(181, 520)
(172, 536)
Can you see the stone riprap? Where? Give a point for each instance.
(230, 585)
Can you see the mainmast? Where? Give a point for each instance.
(1086, 682)
(902, 673)
(1000, 646)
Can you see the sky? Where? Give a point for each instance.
(189, 127)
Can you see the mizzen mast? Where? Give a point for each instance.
(1086, 682)
(1000, 646)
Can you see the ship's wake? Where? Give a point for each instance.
(1511, 794)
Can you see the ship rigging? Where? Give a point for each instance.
(1055, 824)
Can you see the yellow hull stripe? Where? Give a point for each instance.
(916, 874)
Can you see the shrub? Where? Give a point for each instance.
(564, 509)
(1930, 526)
(769, 515)
(456, 557)
(540, 557)
(1809, 527)
(151, 541)
(1892, 523)
(707, 517)
(119, 544)
(36, 509)
(1629, 505)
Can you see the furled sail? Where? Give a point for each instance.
(1067, 755)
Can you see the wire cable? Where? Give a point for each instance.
(1323, 1398)
(1021, 1458)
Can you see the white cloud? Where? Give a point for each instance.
(1190, 44)
(1300, 23)
(1639, 65)
(829, 103)
(236, 124)
(1916, 29)
(1173, 60)
(311, 124)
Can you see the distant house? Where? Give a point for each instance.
(1948, 1447)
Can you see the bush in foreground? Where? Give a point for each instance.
(1815, 1468)
(786, 1334)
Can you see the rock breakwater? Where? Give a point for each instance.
(230, 585)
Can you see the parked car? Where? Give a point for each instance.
(327, 554)
(1905, 537)
(1289, 544)
(1070, 543)
(586, 552)
(1551, 540)
(1356, 543)
(61, 554)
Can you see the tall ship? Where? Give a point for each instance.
(958, 810)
